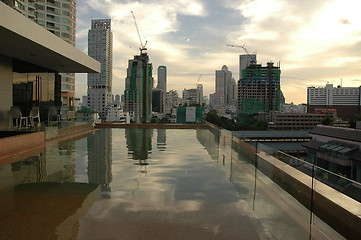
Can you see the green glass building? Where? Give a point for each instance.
(138, 89)
(259, 89)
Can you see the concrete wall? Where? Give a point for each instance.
(6, 82)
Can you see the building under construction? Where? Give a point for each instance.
(138, 89)
(259, 89)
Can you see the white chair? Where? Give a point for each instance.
(16, 119)
(34, 114)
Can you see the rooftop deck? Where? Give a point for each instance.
(157, 183)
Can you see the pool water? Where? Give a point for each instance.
(137, 184)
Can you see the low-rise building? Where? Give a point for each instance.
(337, 150)
(298, 121)
(114, 113)
(187, 115)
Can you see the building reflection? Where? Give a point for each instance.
(161, 139)
(139, 144)
(100, 159)
(55, 164)
(210, 141)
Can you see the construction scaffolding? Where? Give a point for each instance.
(259, 89)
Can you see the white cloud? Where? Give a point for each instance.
(308, 37)
(316, 41)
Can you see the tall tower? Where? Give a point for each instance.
(162, 83)
(100, 47)
(138, 89)
(58, 17)
(162, 78)
(226, 85)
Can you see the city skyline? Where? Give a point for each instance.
(315, 42)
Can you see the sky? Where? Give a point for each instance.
(316, 41)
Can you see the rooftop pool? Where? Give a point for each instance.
(148, 184)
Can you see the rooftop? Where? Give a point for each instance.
(337, 132)
(271, 134)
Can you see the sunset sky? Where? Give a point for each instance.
(316, 41)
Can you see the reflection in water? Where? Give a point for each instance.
(39, 198)
(139, 144)
(161, 139)
(187, 195)
(100, 159)
(209, 139)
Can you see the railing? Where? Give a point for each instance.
(294, 199)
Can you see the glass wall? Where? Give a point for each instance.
(35, 89)
(289, 195)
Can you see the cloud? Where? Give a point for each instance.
(316, 41)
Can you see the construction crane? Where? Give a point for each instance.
(142, 47)
(253, 60)
(199, 78)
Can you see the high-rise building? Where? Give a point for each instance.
(162, 78)
(216, 100)
(226, 85)
(245, 60)
(346, 101)
(58, 17)
(200, 93)
(100, 47)
(259, 89)
(171, 101)
(138, 89)
(162, 83)
(157, 100)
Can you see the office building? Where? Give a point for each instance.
(157, 100)
(162, 83)
(346, 101)
(172, 101)
(298, 121)
(58, 17)
(216, 100)
(226, 85)
(138, 89)
(193, 95)
(162, 78)
(245, 60)
(259, 89)
(100, 47)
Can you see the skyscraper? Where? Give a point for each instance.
(138, 89)
(226, 85)
(259, 89)
(58, 17)
(157, 100)
(162, 78)
(162, 83)
(100, 47)
(245, 60)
